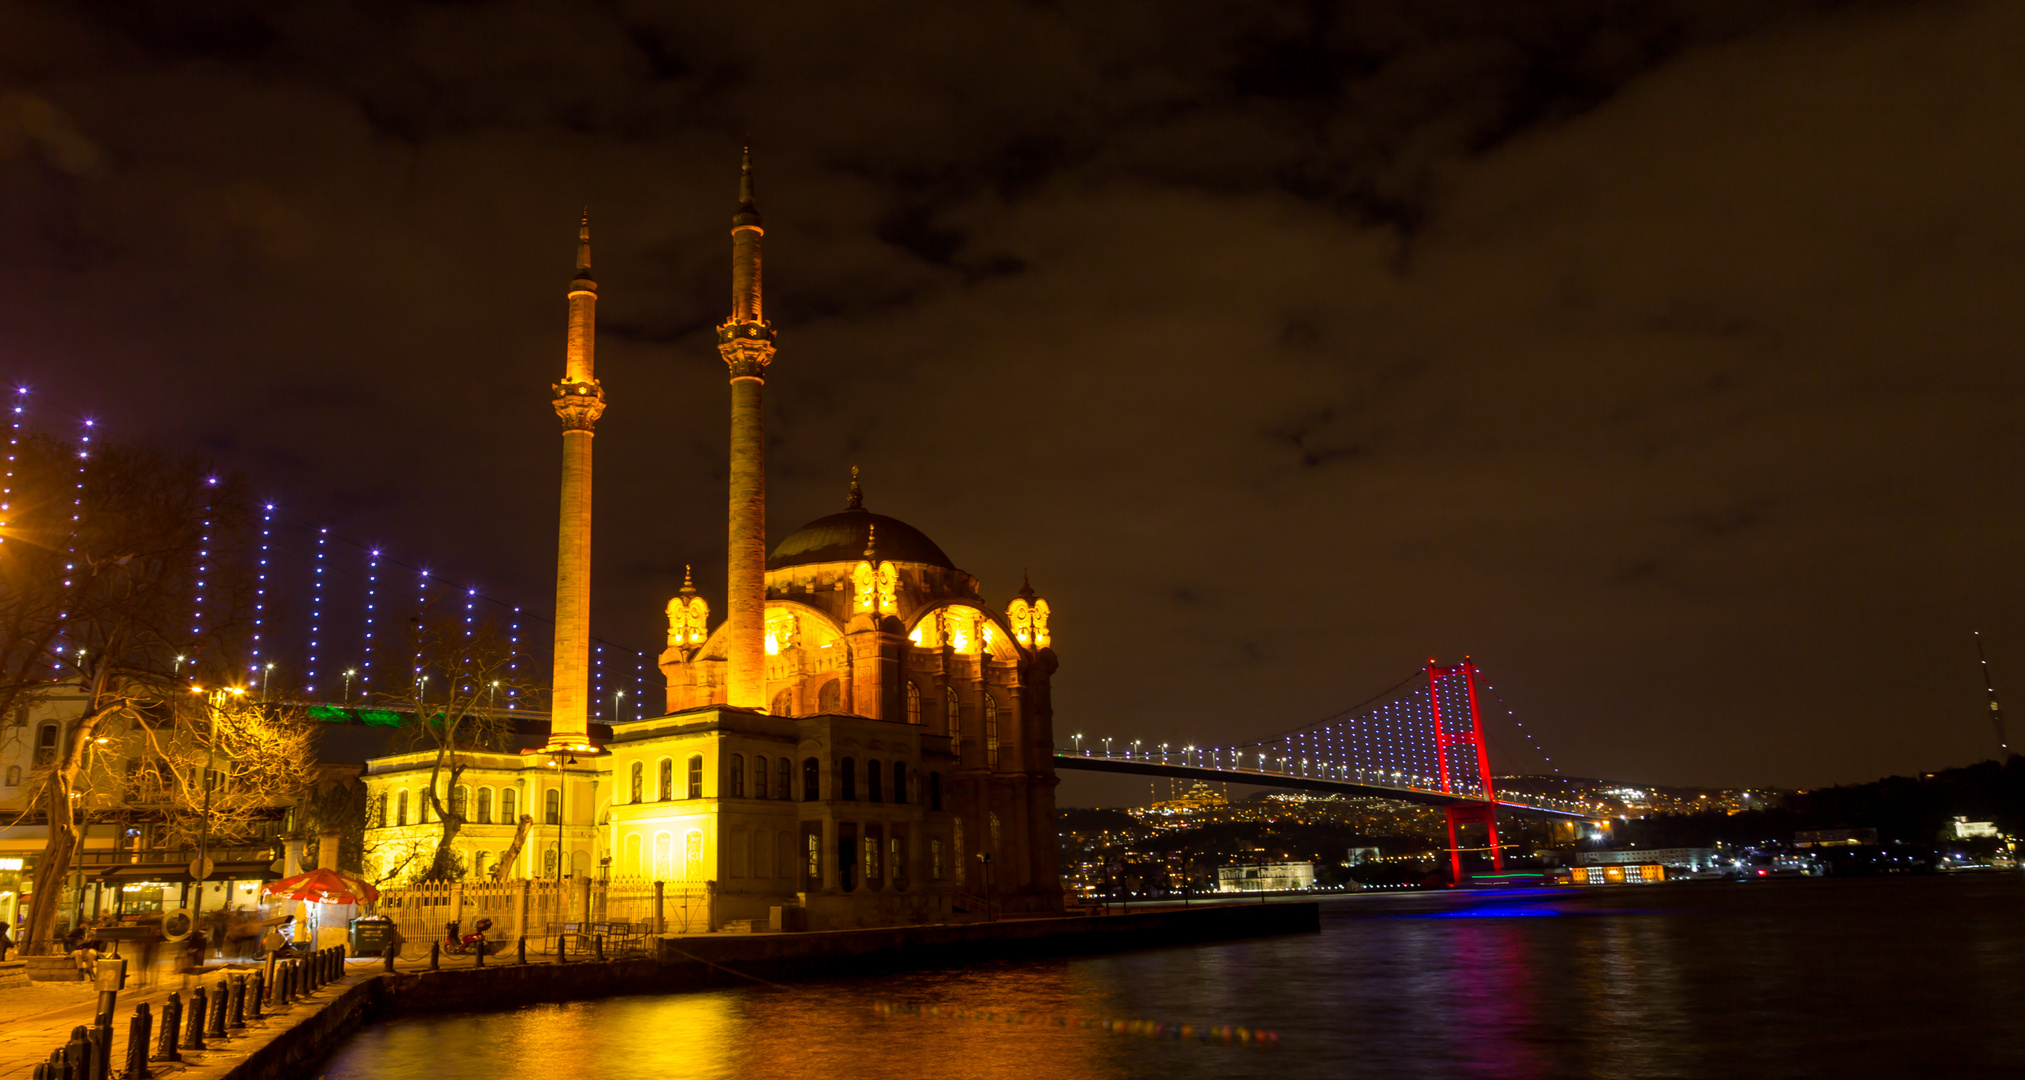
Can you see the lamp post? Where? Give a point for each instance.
(266, 673)
(985, 858)
(1107, 747)
(349, 672)
(1079, 743)
(617, 697)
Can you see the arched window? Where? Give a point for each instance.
(422, 806)
(380, 811)
(460, 797)
(639, 779)
(812, 780)
(830, 698)
(548, 863)
(935, 791)
(667, 779)
(955, 714)
(872, 777)
(899, 781)
(786, 788)
(847, 779)
(783, 703)
(692, 856)
(507, 800)
(552, 807)
(664, 856)
(913, 703)
(400, 810)
(758, 779)
(13, 776)
(45, 744)
(696, 776)
(736, 774)
(990, 729)
(631, 867)
(485, 806)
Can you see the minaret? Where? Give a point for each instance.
(746, 343)
(579, 400)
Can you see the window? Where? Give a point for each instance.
(896, 862)
(812, 780)
(737, 777)
(380, 811)
(664, 856)
(552, 806)
(787, 772)
(847, 779)
(632, 865)
(45, 744)
(935, 791)
(696, 776)
(692, 855)
(421, 805)
(485, 806)
(935, 858)
(956, 730)
(783, 703)
(872, 781)
(460, 797)
(639, 779)
(830, 698)
(913, 704)
(899, 781)
(667, 779)
(400, 811)
(990, 729)
(758, 779)
(548, 863)
(507, 800)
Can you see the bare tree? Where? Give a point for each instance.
(453, 708)
(103, 558)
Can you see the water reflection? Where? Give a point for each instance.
(1841, 978)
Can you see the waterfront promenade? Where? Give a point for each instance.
(39, 1018)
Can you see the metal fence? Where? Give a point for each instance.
(540, 911)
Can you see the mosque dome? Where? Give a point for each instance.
(842, 538)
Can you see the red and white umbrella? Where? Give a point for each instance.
(321, 886)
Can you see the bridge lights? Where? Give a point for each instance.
(1135, 747)
(1079, 743)
(1107, 747)
(1163, 753)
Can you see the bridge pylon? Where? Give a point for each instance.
(1450, 735)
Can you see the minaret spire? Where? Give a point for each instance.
(579, 399)
(745, 341)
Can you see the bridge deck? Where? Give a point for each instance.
(1264, 778)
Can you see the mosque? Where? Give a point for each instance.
(862, 739)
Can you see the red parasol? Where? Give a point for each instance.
(322, 886)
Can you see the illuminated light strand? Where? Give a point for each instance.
(203, 570)
(260, 583)
(70, 545)
(513, 657)
(421, 605)
(315, 612)
(1148, 1029)
(372, 590)
(13, 451)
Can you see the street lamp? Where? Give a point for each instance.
(349, 672)
(266, 674)
(617, 697)
(1107, 747)
(1079, 743)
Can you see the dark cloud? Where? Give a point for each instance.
(1659, 355)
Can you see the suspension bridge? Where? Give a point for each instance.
(1420, 742)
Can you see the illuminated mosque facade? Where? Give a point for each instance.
(861, 740)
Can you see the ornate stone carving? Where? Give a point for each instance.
(579, 404)
(746, 346)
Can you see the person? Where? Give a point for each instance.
(199, 948)
(6, 941)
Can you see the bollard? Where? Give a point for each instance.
(194, 1038)
(435, 956)
(254, 994)
(599, 942)
(390, 959)
(214, 1011)
(523, 949)
(100, 1041)
(138, 1033)
(77, 1056)
(291, 981)
(235, 1016)
(480, 961)
(172, 1016)
(562, 947)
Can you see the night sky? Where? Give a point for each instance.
(1662, 356)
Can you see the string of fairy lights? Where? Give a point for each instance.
(318, 627)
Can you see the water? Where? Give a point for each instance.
(1843, 978)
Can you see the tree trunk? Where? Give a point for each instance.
(65, 817)
(512, 852)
